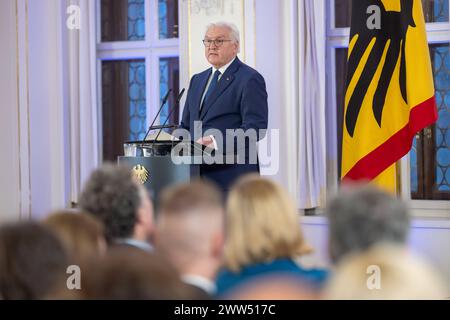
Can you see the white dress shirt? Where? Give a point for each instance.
(200, 282)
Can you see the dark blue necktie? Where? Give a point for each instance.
(212, 86)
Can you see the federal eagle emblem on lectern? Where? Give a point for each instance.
(141, 173)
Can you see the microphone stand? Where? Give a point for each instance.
(164, 101)
(170, 114)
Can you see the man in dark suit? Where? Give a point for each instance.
(228, 96)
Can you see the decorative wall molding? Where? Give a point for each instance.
(195, 15)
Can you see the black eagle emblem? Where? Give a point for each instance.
(394, 27)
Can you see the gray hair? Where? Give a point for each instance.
(363, 217)
(234, 31)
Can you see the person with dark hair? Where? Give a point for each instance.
(32, 262)
(190, 233)
(114, 196)
(127, 273)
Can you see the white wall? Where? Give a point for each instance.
(46, 111)
(269, 62)
(9, 123)
(32, 136)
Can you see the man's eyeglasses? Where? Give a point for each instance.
(217, 43)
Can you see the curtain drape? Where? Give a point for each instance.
(82, 84)
(304, 34)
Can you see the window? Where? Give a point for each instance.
(429, 175)
(430, 156)
(124, 98)
(138, 54)
(169, 74)
(122, 20)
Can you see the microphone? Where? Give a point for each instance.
(177, 102)
(164, 101)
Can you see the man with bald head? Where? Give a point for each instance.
(227, 97)
(190, 233)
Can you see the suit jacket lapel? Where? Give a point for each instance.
(203, 81)
(226, 79)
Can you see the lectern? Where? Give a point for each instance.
(156, 166)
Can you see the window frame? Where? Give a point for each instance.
(151, 50)
(437, 32)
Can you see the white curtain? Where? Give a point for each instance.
(81, 85)
(304, 115)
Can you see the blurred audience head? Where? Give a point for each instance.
(274, 287)
(32, 261)
(81, 234)
(360, 217)
(190, 228)
(385, 272)
(262, 224)
(123, 205)
(126, 273)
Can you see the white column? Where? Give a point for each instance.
(48, 133)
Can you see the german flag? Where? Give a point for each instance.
(390, 91)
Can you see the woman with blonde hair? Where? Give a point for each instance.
(263, 236)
